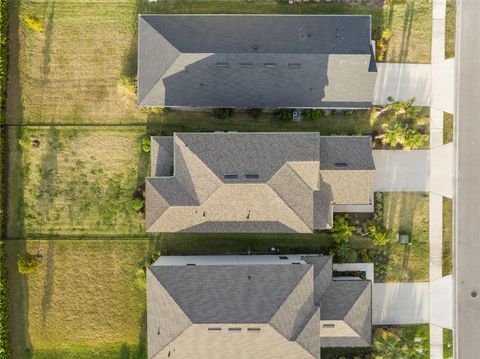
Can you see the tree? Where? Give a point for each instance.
(313, 114)
(388, 345)
(345, 253)
(342, 230)
(27, 263)
(393, 136)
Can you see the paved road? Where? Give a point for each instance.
(467, 184)
(401, 171)
(400, 303)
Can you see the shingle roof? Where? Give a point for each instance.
(254, 182)
(186, 301)
(255, 61)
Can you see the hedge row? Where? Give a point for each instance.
(4, 331)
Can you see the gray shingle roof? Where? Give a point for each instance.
(229, 294)
(293, 299)
(246, 61)
(255, 182)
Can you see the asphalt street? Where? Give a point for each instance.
(467, 182)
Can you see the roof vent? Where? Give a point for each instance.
(234, 329)
(215, 329)
(246, 65)
(222, 64)
(341, 164)
(253, 329)
(328, 325)
(270, 64)
(230, 176)
(294, 65)
(252, 176)
(255, 47)
(296, 263)
(191, 264)
(283, 257)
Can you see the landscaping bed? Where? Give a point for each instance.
(447, 237)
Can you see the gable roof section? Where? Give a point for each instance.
(250, 61)
(230, 294)
(348, 301)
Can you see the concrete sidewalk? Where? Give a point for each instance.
(402, 171)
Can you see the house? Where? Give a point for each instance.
(288, 306)
(255, 182)
(255, 61)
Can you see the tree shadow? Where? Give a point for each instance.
(48, 31)
(407, 30)
(142, 339)
(49, 276)
(48, 169)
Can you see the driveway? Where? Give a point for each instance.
(400, 303)
(403, 81)
(401, 171)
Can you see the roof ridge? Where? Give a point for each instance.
(176, 51)
(282, 199)
(352, 307)
(293, 341)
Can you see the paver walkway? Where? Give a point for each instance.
(401, 171)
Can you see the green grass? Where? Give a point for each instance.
(407, 213)
(409, 332)
(70, 72)
(79, 181)
(450, 28)
(84, 301)
(447, 343)
(447, 127)
(447, 237)
(411, 26)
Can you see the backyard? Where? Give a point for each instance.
(69, 72)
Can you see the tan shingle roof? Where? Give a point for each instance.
(275, 179)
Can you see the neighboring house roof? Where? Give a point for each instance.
(247, 61)
(215, 308)
(254, 182)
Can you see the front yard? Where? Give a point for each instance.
(407, 213)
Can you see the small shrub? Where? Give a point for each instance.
(146, 144)
(333, 112)
(313, 114)
(34, 23)
(342, 230)
(256, 112)
(222, 113)
(137, 204)
(127, 86)
(379, 234)
(27, 263)
(284, 115)
(344, 253)
(364, 256)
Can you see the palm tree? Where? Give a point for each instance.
(388, 345)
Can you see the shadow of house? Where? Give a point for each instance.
(252, 61)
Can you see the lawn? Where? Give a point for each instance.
(447, 237)
(407, 213)
(450, 28)
(410, 23)
(69, 72)
(77, 182)
(83, 302)
(447, 128)
(447, 343)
